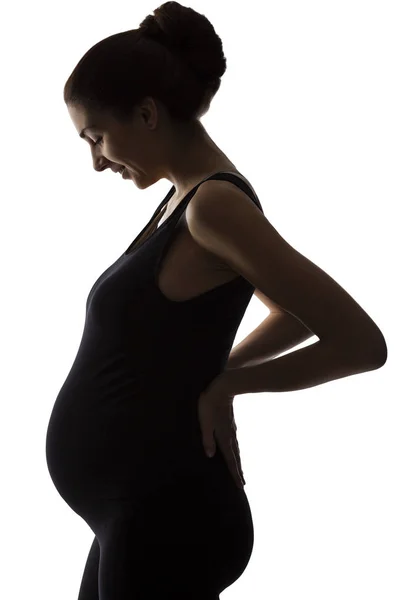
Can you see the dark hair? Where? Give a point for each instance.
(174, 56)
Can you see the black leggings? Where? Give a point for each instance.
(190, 540)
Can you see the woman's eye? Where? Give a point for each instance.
(98, 141)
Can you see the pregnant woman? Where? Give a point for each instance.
(151, 388)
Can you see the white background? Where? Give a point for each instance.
(308, 110)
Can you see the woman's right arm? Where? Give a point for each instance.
(278, 333)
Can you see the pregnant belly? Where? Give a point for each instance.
(95, 456)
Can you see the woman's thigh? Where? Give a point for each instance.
(89, 589)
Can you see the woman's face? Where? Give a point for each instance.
(131, 145)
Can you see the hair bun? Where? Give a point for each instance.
(150, 26)
(151, 29)
(188, 34)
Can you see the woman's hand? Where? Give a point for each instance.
(215, 412)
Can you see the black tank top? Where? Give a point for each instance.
(125, 420)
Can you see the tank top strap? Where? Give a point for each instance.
(239, 182)
(221, 175)
(161, 205)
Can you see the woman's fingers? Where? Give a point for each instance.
(206, 418)
(237, 456)
(225, 433)
(230, 451)
(217, 423)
